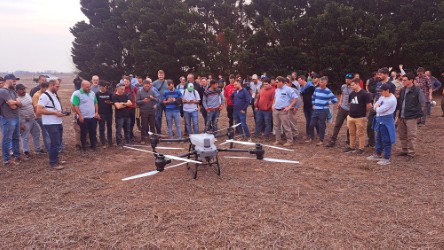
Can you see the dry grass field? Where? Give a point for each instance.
(330, 201)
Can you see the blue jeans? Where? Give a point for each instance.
(108, 120)
(159, 111)
(123, 123)
(319, 118)
(212, 119)
(11, 135)
(242, 118)
(31, 127)
(308, 113)
(55, 132)
(173, 116)
(191, 117)
(383, 141)
(46, 139)
(263, 122)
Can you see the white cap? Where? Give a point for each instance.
(254, 77)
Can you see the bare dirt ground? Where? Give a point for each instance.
(331, 200)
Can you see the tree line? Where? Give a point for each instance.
(246, 37)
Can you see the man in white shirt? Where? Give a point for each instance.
(51, 110)
(191, 99)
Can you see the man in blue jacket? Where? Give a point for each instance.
(241, 99)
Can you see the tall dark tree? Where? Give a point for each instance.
(97, 48)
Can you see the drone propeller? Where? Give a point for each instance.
(265, 159)
(172, 157)
(160, 135)
(145, 146)
(254, 144)
(234, 126)
(150, 173)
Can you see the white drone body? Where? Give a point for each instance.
(204, 145)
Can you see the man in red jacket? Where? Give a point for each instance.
(229, 89)
(263, 105)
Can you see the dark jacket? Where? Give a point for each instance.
(241, 100)
(413, 103)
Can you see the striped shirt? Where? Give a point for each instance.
(213, 98)
(322, 98)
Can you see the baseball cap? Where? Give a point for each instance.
(19, 86)
(384, 70)
(349, 76)
(254, 77)
(11, 77)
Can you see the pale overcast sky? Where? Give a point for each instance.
(34, 34)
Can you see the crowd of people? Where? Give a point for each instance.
(389, 101)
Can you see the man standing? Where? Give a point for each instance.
(228, 91)
(410, 104)
(95, 80)
(384, 126)
(161, 85)
(212, 102)
(383, 76)
(255, 86)
(424, 84)
(9, 103)
(122, 115)
(360, 102)
(40, 80)
(285, 99)
(171, 99)
(322, 98)
(241, 99)
(307, 90)
(105, 104)
(191, 100)
(147, 99)
(51, 110)
(200, 87)
(28, 124)
(263, 108)
(85, 105)
(131, 91)
(343, 109)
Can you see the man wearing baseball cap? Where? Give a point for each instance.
(9, 104)
(343, 109)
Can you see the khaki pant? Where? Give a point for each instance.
(292, 116)
(282, 118)
(356, 126)
(76, 131)
(407, 130)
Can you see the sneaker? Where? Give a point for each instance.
(27, 156)
(62, 162)
(349, 150)
(276, 143)
(9, 163)
(360, 152)
(249, 140)
(58, 167)
(288, 144)
(308, 140)
(383, 162)
(41, 152)
(330, 144)
(374, 157)
(320, 143)
(402, 154)
(104, 146)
